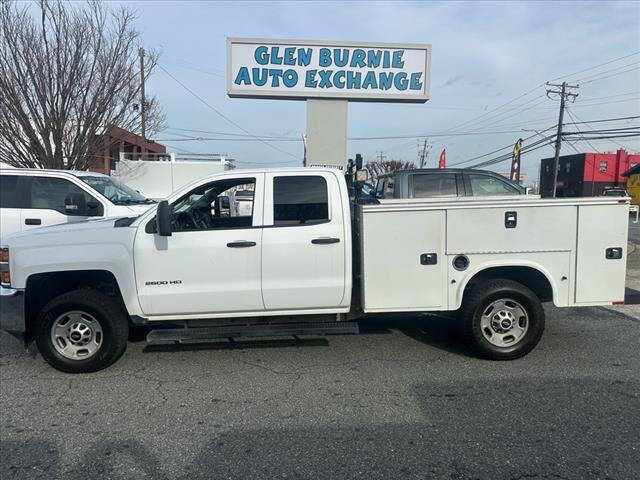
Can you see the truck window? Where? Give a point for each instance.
(434, 185)
(9, 194)
(50, 193)
(220, 205)
(300, 200)
(483, 185)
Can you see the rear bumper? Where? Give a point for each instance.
(12, 316)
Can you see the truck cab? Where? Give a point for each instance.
(33, 198)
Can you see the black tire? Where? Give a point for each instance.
(480, 297)
(111, 317)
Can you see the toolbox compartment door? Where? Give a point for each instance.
(403, 261)
(601, 227)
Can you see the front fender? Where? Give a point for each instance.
(84, 250)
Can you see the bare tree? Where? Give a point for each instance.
(68, 72)
(380, 167)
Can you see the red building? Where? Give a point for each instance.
(586, 174)
(117, 141)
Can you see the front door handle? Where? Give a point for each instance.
(241, 244)
(324, 240)
(33, 221)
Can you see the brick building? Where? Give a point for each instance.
(119, 143)
(586, 174)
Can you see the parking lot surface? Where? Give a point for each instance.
(634, 232)
(402, 400)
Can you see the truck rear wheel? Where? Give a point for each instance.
(502, 319)
(82, 331)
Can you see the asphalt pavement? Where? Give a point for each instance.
(402, 400)
(634, 232)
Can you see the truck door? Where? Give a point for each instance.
(211, 262)
(303, 243)
(46, 203)
(12, 201)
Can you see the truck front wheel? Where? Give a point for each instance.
(82, 331)
(502, 319)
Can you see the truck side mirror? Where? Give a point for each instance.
(75, 204)
(163, 219)
(94, 208)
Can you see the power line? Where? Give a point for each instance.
(632, 128)
(388, 137)
(224, 133)
(461, 134)
(495, 151)
(507, 156)
(607, 71)
(609, 76)
(235, 124)
(478, 119)
(475, 119)
(606, 103)
(572, 118)
(588, 124)
(596, 66)
(605, 119)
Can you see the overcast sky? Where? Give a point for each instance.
(484, 55)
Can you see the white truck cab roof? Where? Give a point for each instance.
(4, 168)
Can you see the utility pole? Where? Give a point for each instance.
(304, 143)
(380, 156)
(424, 153)
(143, 107)
(564, 95)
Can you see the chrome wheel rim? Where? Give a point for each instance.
(76, 335)
(504, 322)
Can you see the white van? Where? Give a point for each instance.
(32, 198)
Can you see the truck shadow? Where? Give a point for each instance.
(438, 331)
(631, 296)
(238, 345)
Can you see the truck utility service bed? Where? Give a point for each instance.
(407, 248)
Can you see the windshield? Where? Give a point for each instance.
(115, 191)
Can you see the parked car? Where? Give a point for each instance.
(292, 266)
(614, 192)
(32, 198)
(446, 182)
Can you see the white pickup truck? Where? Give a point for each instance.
(308, 260)
(34, 198)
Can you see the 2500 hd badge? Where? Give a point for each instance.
(163, 282)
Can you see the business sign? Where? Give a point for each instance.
(300, 69)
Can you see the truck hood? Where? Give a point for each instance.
(133, 210)
(100, 228)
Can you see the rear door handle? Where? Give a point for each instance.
(33, 221)
(241, 244)
(324, 240)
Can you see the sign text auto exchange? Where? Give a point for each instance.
(343, 68)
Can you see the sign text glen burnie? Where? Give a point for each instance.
(306, 69)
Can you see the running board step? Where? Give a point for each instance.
(200, 334)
